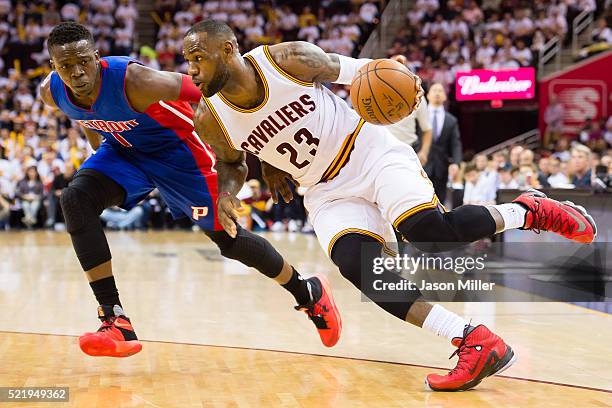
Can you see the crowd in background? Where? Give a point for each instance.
(441, 37)
(336, 26)
(568, 164)
(41, 149)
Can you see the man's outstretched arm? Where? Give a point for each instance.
(145, 86)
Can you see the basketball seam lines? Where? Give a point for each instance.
(373, 98)
(386, 83)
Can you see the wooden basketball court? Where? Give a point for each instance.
(220, 335)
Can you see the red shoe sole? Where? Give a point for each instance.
(102, 346)
(327, 288)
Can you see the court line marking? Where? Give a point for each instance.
(329, 356)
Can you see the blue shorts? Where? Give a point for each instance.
(187, 189)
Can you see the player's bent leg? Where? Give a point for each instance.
(432, 230)
(82, 202)
(481, 353)
(349, 253)
(313, 295)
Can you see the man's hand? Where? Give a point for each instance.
(227, 211)
(423, 157)
(420, 92)
(277, 181)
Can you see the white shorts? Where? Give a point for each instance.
(381, 185)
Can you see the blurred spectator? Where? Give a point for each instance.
(60, 182)
(581, 166)
(29, 192)
(515, 154)
(289, 216)
(562, 150)
(602, 32)
(553, 117)
(557, 178)
(119, 219)
(473, 192)
(506, 180)
(259, 206)
(543, 171)
(526, 158)
(608, 133)
(488, 179)
(446, 144)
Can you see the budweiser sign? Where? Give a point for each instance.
(485, 84)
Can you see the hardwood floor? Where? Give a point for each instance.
(221, 335)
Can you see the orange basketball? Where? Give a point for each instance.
(384, 92)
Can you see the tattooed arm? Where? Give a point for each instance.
(309, 63)
(306, 61)
(231, 167)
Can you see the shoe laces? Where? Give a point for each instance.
(314, 315)
(107, 324)
(546, 220)
(462, 351)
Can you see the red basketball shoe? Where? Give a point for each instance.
(564, 218)
(115, 338)
(481, 354)
(323, 313)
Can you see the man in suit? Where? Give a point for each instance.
(446, 145)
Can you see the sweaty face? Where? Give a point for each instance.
(208, 71)
(77, 65)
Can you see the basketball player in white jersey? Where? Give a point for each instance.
(360, 185)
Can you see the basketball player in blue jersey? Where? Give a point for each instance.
(140, 122)
(361, 182)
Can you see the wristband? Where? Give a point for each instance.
(189, 92)
(348, 69)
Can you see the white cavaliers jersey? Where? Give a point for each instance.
(300, 127)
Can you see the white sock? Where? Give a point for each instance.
(444, 323)
(513, 215)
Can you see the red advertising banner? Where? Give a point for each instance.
(584, 91)
(486, 84)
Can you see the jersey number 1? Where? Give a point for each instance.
(301, 136)
(121, 139)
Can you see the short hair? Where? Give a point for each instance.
(214, 27)
(68, 32)
(580, 148)
(469, 168)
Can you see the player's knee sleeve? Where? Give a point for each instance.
(82, 202)
(250, 249)
(351, 253)
(434, 231)
(347, 255)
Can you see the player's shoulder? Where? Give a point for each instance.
(290, 49)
